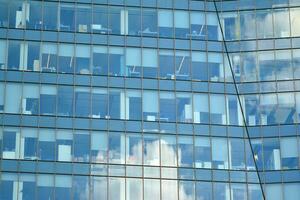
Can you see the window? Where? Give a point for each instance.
(271, 154)
(198, 27)
(199, 66)
(266, 65)
(267, 107)
(201, 112)
(82, 59)
(65, 101)
(221, 191)
(82, 102)
(18, 14)
(100, 20)
(281, 23)
(184, 107)
(46, 145)
(116, 189)
(167, 106)
(49, 57)
(168, 151)
(67, 17)
(181, 23)
(64, 145)
(116, 61)
(151, 150)
(150, 63)
(14, 60)
(116, 24)
(100, 60)
(215, 67)
(234, 114)
(182, 65)
(133, 149)
(150, 105)
(99, 103)
(289, 153)
(81, 187)
(134, 21)
(116, 104)
(12, 98)
(1, 97)
(134, 189)
(2, 54)
(63, 187)
(202, 152)
(203, 191)
(186, 190)
(236, 154)
(231, 26)
(83, 18)
(219, 153)
(29, 147)
(166, 64)
(98, 188)
(151, 189)
(217, 109)
(66, 58)
(30, 99)
(45, 187)
(185, 151)
(273, 191)
(50, 16)
(3, 13)
(48, 100)
(169, 189)
(99, 147)
(116, 143)
(264, 24)
(133, 62)
(212, 25)
(247, 25)
(32, 55)
(28, 186)
(165, 23)
(35, 16)
(133, 105)
(295, 23)
(10, 146)
(149, 26)
(81, 146)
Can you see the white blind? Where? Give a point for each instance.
(212, 19)
(198, 57)
(197, 18)
(215, 57)
(219, 149)
(99, 49)
(83, 51)
(46, 135)
(202, 142)
(150, 58)
(45, 180)
(2, 51)
(52, 90)
(268, 99)
(200, 102)
(265, 56)
(288, 147)
(286, 99)
(26, 132)
(217, 104)
(181, 19)
(99, 141)
(150, 101)
(116, 50)
(30, 91)
(63, 181)
(49, 48)
(133, 57)
(165, 18)
(64, 135)
(66, 50)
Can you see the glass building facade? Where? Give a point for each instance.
(149, 100)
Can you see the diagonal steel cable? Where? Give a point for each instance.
(239, 100)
